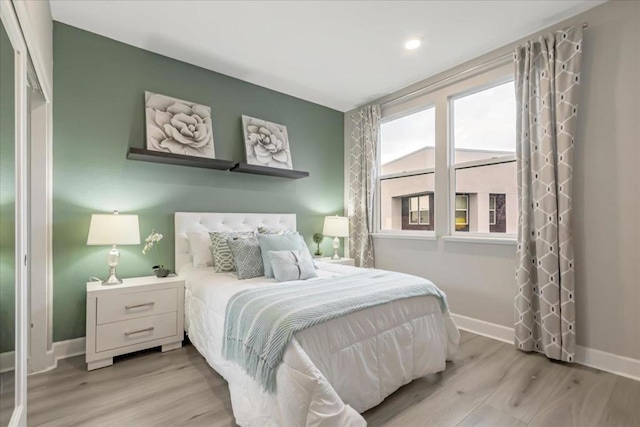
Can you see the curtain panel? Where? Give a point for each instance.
(547, 72)
(362, 183)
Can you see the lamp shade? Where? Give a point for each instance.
(114, 229)
(336, 226)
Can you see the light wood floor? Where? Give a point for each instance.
(489, 384)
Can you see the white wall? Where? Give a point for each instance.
(480, 278)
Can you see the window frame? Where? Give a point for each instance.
(378, 230)
(454, 167)
(438, 95)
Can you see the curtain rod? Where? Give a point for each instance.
(454, 76)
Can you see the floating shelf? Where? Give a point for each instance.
(265, 170)
(178, 159)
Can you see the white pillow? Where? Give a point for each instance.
(200, 249)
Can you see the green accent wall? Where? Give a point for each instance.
(7, 194)
(98, 113)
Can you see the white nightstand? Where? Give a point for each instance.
(140, 313)
(343, 261)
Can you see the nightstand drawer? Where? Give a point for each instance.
(135, 331)
(124, 306)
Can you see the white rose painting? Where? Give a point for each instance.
(266, 143)
(178, 127)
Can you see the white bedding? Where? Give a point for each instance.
(331, 372)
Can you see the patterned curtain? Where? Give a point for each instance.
(547, 85)
(362, 183)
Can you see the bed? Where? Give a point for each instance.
(330, 372)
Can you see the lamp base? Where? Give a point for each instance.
(112, 261)
(113, 279)
(336, 245)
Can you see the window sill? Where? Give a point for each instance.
(405, 236)
(511, 241)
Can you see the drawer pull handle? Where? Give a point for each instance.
(139, 331)
(129, 307)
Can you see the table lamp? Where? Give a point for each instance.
(113, 229)
(336, 226)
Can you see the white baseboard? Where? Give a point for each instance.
(598, 359)
(65, 349)
(486, 329)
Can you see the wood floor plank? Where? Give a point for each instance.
(488, 416)
(527, 385)
(488, 384)
(623, 407)
(578, 401)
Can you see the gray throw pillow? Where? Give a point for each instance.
(292, 265)
(222, 255)
(246, 257)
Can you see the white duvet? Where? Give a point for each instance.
(330, 372)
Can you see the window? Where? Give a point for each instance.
(483, 169)
(472, 122)
(497, 213)
(417, 212)
(462, 212)
(406, 182)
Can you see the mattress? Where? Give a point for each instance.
(330, 372)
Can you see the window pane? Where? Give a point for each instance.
(408, 143)
(424, 216)
(395, 198)
(492, 202)
(480, 183)
(413, 204)
(484, 124)
(461, 202)
(461, 217)
(424, 203)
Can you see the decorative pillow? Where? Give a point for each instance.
(278, 242)
(304, 245)
(200, 249)
(246, 257)
(273, 230)
(292, 265)
(222, 255)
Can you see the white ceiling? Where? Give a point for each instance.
(340, 54)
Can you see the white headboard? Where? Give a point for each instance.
(213, 221)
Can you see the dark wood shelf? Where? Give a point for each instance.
(265, 170)
(178, 159)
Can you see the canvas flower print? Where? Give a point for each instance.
(178, 127)
(266, 143)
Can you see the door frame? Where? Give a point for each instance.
(21, 56)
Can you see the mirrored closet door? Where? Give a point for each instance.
(14, 216)
(7, 229)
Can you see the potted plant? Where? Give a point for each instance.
(149, 242)
(317, 238)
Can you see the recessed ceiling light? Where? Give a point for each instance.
(412, 43)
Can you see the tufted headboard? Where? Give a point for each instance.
(212, 221)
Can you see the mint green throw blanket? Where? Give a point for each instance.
(260, 322)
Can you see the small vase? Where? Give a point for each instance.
(161, 272)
